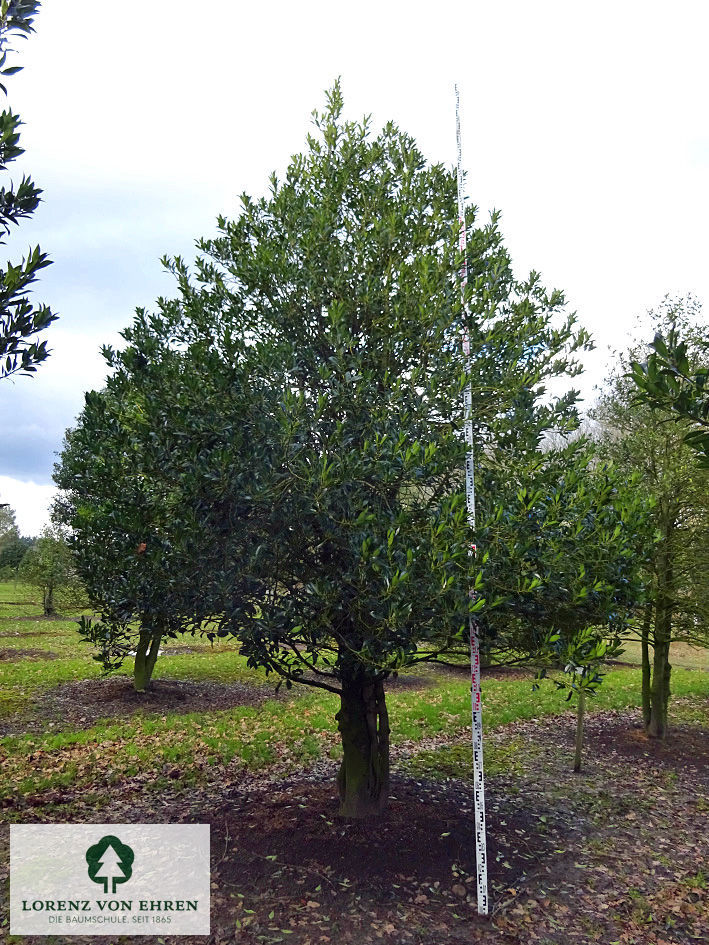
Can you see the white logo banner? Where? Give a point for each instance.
(109, 879)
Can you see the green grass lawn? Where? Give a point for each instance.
(681, 654)
(17, 600)
(287, 733)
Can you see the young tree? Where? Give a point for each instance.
(564, 566)
(20, 319)
(640, 439)
(582, 658)
(48, 566)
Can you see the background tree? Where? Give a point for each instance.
(13, 546)
(8, 526)
(120, 536)
(144, 476)
(48, 566)
(20, 319)
(672, 380)
(641, 439)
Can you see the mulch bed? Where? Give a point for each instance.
(88, 700)
(612, 855)
(81, 704)
(15, 653)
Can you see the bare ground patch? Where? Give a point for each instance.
(115, 697)
(456, 670)
(80, 704)
(615, 854)
(12, 654)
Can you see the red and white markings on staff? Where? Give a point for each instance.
(478, 770)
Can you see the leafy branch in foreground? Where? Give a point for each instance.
(20, 319)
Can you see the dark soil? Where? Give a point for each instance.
(207, 648)
(15, 653)
(409, 682)
(115, 697)
(614, 855)
(506, 672)
(81, 704)
(685, 749)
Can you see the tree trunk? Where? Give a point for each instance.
(659, 690)
(153, 654)
(644, 643)
(363, 779)
(145, 656)
(581, 708)
(662, 634)
(48, 601)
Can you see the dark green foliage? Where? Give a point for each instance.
(565, 537)
(154, 489)
(344, 280)
(20, 318)
(279, 449)
(12, 550)
(671, 379)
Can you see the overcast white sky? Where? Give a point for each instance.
(585, 124)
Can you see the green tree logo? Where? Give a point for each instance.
(110, 862)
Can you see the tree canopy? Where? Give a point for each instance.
(279, 449)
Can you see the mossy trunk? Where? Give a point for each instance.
(580, 711)
(646, 672)
(48, 601)
(659, 689)
(145, 656)
(662, 635)
(363, 779)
